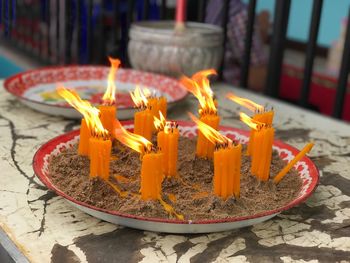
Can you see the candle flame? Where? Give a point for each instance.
(252, 106)
(90, 113)
(256, 125)
(169, 126)
(159, 123)
(162, 124)
(199, 86)
(140, 97)
(109, 96)
(202, 77)
(211, 134)
(147, 92)
(131, 140)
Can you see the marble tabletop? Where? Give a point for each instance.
(46, 228)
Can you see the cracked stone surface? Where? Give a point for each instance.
(46, 228)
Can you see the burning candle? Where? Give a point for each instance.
(98, 145)
(296, 159)
(199, 86)
(261, 154)
(205, 148)
(108, 108)
(143, 119)
(227, 166)
(167, 141)
(158, 104)
(143, 123)
(261, 115)
(86, 126)
(151, 178)
(83, 148)
(100, 156)
(152, 161)
(227, 161)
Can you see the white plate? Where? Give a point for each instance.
(37, 88)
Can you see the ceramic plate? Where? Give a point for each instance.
(36, 88)
(307, 172)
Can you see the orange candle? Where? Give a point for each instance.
(296, 159)
(219, 157)
(227, 171)
(263, 117)
(151, 176)
(227, 161)
(152, 162)
(168, 141)
(100, 155)
(163, 105)
(205, 148)
(108, 108)
(94, 143)
(256, 153)
(143, 123)
(83, 148)
(107, 115)
(264, 170)
(262, 153)
(156, 105)
(237, 170)
(199, 86)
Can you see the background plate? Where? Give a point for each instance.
(36, 88)
(306, 170)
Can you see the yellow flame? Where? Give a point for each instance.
(199, 86)
(147, 92)
(139, 97)
(131, 140)
(90, 113)
(109, 96)
(169, 126)
(211, 134)
(202, 78)
(162, 124)
(245, 103)
(159, 123)
(256, 125)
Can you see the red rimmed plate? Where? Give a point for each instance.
(37, 88)
(306, 168)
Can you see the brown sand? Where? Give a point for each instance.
(189, 194)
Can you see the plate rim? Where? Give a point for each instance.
(8, 80)
(314, 172)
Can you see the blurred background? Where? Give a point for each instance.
(36, 33)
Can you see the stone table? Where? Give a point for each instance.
(44, 227)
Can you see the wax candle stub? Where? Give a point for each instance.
(261, 155)
(100, 155)
(85, 134)
(227, 171)
(167, 141)
(151, 176)
(205, 148)
(143, 123)
(266, 118)
(107, 115)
